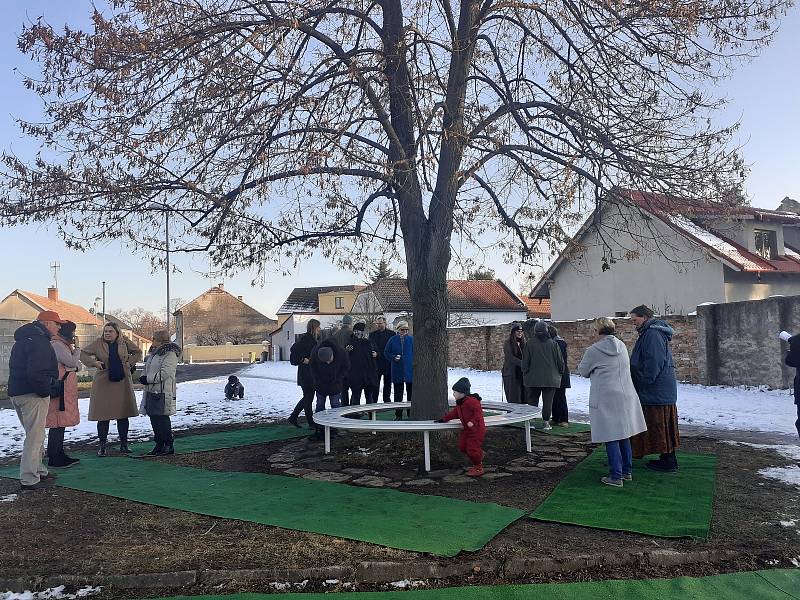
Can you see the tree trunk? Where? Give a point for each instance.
(430, 345)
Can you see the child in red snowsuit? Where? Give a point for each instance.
(469, 412)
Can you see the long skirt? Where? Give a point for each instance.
(662, 435)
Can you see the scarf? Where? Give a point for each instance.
(115, 369)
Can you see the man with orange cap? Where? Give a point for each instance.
(33, 372)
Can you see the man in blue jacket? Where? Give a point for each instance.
(399, 351)
(33, 371)
(653, 374)
(793, 360)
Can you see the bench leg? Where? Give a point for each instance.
(528, 436)
(327, 440)
(427, 438)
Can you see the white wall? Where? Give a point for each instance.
(748, 286)
(296, 325)
(657, 267)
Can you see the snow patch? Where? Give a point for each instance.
(407, 583)
(790, 475)
(56, 593)
(8, 498)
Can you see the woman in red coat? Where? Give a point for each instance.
(468, 410)
(63, 411)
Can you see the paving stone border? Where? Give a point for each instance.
(375, 572)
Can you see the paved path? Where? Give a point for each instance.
(184, 373)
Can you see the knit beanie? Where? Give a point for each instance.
(402, 325)
(516, 327)
(347, 320)
(67, 331)
(325, 354)
(360, 326)
(462, 386)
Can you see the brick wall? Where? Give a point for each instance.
(482, 347)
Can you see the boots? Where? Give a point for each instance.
(123, 447)
(475, 471)
(167, 449)
(666, 464)
(102, 450)
(157, 450)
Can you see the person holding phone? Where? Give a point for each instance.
(115, 357)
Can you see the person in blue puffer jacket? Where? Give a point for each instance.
(399, 351)
(653, 374)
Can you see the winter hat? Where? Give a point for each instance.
(232, 379)
(67, 331)
(325, 354)
(402, 325)
(462, 386)
(540, 328)
(360, 326)
(347, 320)
(516, 327)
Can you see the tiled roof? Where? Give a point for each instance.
(538, 308)
(70, 312)
(472, 295)
(306, 299)
(685, 217)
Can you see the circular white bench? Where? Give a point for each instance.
(337, 418)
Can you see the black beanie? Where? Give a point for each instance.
(462, 386)
(325, 354)
(67, 330)
(360, 326)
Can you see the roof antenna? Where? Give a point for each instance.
(54, 266)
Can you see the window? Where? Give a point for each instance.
(339, 302)
(766, 243)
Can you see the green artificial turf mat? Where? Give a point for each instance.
(434, 524)
(755, 585)
(231, 438)
(661, 504)
(573, 429)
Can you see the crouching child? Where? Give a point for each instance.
(234, 388)
(469, 411)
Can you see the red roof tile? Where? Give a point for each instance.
(538, 308)
(469, 295)
(70, 312)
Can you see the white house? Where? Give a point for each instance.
(472, 302)
(671, 254)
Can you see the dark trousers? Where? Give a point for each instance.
(162, 429)
(55, 443)
(387, 385)
(398, 395)
(547, 399)
(560, 412)
(306, 404)
(370, 395)
(122, 430)
(345, 396)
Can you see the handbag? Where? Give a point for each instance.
(57, 391)
(155, 402)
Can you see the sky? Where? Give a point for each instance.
(764, 95)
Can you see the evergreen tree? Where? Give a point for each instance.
(382, 271)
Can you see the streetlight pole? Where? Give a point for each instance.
(160, 206)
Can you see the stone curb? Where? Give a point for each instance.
(372, 571)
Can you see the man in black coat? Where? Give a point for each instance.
(379, 339)
(33, 373)
(300, 356)
(363, 374)
(793, 360)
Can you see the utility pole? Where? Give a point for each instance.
(104, 303)
(55, 266)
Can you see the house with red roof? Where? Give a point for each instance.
(671, 254)
(471, 302)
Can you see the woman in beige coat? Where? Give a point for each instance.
(115, 357)
(159, 378)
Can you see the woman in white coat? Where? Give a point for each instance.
(160, 390)
(614, 409)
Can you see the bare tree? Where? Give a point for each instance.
(277, 128)
(144, 322)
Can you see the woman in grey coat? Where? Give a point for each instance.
(614, 409)
(159, 377)
(542, 366)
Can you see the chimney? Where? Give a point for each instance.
(240, 298)
(221, 286)
(52, 294)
